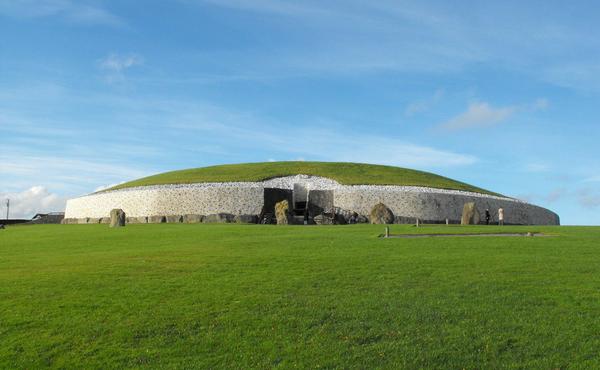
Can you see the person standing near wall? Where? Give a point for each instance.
(487, 216)
(501, 216)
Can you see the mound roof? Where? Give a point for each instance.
(342, 172)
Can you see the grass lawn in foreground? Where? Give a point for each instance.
(251, 296)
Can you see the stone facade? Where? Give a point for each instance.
(248, 198)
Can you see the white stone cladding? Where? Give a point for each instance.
(436, 205)
(246, 198)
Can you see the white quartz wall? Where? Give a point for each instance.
(246, 198)
(163, 201)
(435, 205)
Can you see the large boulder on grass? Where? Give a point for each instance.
(381, 214)
(282, 213)
(117, 218)
(470, 215)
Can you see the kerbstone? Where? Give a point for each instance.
(192, 219)
(174, 219)
(218, 218)
(157, 219)
(246, 219)
(381, 214)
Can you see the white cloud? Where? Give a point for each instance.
(588, 198)
(482, 114)
(398, 153)
(593, 179)
(429, 36)
(339, 143)
(556, 195)
(479, 115)
(27, 203)
(119, 63)
(295, 9)
(115, 65)
(202, 132)
(581, 75)
(540, 104)
(424, 105)
(73, 11)
(70, 175)
(536, 167)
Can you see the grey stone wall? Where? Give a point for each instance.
(165, 201)
(406, 202)
(439, 206)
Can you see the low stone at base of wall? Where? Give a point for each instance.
(173, 219)
(246, 219)
(192, 219)
(137, 220)
(219, 218)
(157, 219)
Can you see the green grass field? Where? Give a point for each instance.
(342, 172)
(250, 296)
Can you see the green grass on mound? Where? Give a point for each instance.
(344, 173)
(253, 296)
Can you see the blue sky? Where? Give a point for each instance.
(503, 95)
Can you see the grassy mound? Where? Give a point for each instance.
(342, 172)
(258, 297)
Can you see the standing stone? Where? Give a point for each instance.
(282, 213)
(381, 214)
(470, 215)
(117, 218)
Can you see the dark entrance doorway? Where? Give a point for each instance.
(273, 196)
